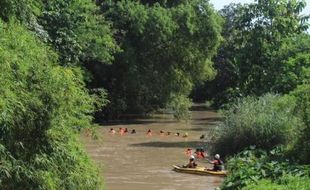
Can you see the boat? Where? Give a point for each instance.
(199, 171)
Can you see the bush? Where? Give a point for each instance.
(252, 166)
(180, 105)
(265, 122)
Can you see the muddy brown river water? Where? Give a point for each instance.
(141, 162)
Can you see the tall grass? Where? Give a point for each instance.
(265, 122)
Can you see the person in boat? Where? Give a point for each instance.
(218, 164)
(191, 163)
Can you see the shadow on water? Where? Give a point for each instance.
(209, 119)
(138, 119)
(200, 107)
(195, 129)
(180, 144)
(136, 122)
(206, 124)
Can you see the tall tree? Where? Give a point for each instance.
(165, 51)
(77, 31)
(251, 60)
(262, 27)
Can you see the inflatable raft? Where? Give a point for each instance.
(199, 171)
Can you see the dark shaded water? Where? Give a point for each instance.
(140, 162)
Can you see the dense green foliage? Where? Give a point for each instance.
(293, 67)
(265, 122)
(301, 149)
(75, 28)
(24, 10)
(165, 51)
(139, 56)
(257, 166)
(265, 50)
(77, 31)
(42, 106)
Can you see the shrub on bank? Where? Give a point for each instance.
(258, 166)
(265, 122)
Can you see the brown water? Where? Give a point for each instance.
(140, 162)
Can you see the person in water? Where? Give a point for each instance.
(191, 163)
(133, 131)
(218, 164)
(121, 131)
(161, 132)
(149, 132)
(200, 153)
(188, 152)
(112, 131)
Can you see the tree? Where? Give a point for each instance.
(224, 87)
(77, 32)
(263, 26)
(165, 52)
(293, 63)
(254, 58)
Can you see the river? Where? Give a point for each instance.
(141, 162)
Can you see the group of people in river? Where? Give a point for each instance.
(122, 131)
(149, 132)
(218, 164)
